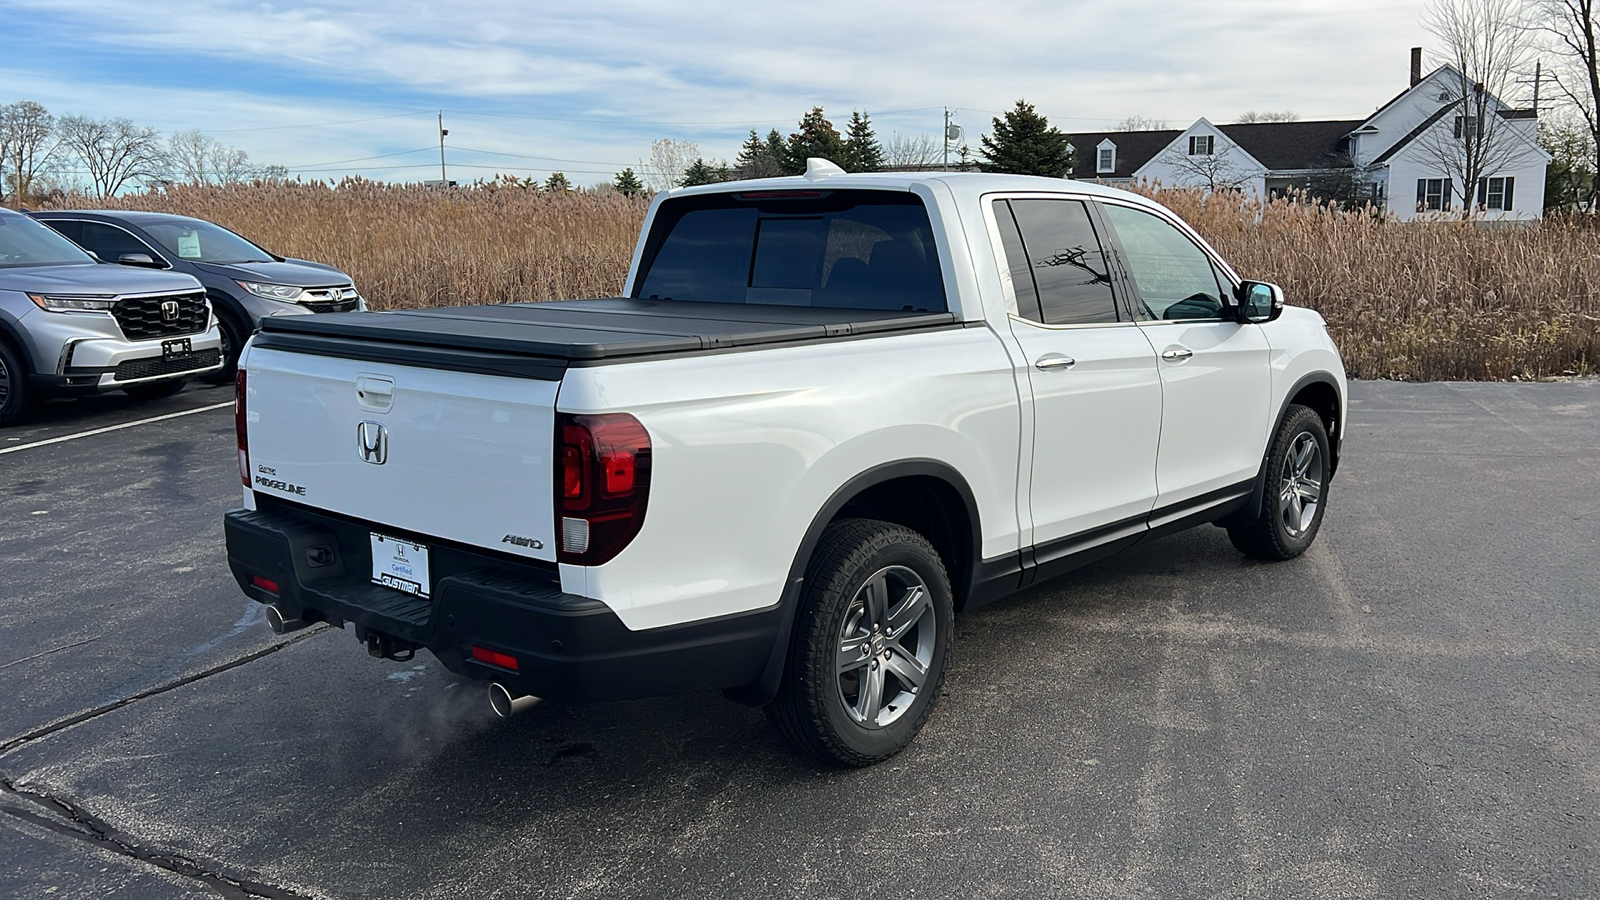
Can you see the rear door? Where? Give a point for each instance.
(1096, 395)
(429, 453)
(1216, 377)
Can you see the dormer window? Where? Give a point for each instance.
(1106, 160)
(1200, 144)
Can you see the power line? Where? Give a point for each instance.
(314, 124)
(336, 162)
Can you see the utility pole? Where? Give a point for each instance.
(947, 138)
(444, 180)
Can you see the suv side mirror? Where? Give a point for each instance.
(1259, 301)
(142, 260)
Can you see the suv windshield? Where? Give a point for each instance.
(199, 241)
(851, 249)
(24, 242)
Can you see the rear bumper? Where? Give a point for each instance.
(566, 647)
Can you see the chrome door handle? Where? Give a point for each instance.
(1174, 354)
(1054, 361)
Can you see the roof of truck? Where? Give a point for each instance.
(962, 184)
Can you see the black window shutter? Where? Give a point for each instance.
(1483, 191)
(1449, 188)
(1506, 202)
(1422, 193)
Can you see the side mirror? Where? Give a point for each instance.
(1259, 301)
(142, 260)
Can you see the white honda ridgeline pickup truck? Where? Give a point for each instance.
(831, 412)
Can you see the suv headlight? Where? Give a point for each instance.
(62, 304)
(287, 293)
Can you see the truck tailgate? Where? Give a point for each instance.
(455, 455)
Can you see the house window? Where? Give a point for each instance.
(1107, 161)
(1467, 124)
(1433, 194)
(1495, 193)
(1200, 144)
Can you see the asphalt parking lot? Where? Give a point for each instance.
(1412, 709)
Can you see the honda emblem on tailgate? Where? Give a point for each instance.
(169, 310)
(372, 440)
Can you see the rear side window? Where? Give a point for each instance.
(1064, 262)
(836, 249)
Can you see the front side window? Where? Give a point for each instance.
(199, 241)
(27, 242)
(1066, 269)
(1200, 144)
(111, 243)
(1175, 278)
(835, 249)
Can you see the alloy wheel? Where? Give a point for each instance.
(1300, 487)
(886, 646)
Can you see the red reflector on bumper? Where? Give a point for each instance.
(503, 660)
(266, 584)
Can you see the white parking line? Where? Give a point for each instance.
(95, 431)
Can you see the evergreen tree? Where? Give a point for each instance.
(702, 172)
(628, 183)
(816, 137)
(778, 151)
(862, 152)
(1025, 144)
(756, 158)
(557, 182)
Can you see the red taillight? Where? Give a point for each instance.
(266, 584)
(493, 658)
(239, 428)
(605, 479)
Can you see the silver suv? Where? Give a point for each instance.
(70, 326)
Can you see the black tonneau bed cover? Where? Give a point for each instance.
(540, 340)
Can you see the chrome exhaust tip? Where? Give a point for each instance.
(281, 625)
(507, 704)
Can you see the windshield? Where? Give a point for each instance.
(857, 249)
(25, 242)
(199, 241)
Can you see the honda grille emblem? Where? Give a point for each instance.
(169, 310)
(372, 439)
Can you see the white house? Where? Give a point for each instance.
(1409, 157)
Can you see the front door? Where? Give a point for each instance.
(1216, 374)
(1093, 381)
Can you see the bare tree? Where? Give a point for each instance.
(669, 159)
(1252, 117)
(1569, 26)
(912, 152)
(1140, 123)
(114, 151)
(198, 158)
(27, 147)
(1211, 171)
(1487, 43)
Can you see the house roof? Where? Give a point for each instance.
(1134, 149)
(1280, 146)
(1284, 146)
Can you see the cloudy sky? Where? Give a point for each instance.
(353, 86)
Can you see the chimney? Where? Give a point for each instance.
(1416, 66)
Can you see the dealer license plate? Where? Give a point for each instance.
(401, 565)
(176, 348)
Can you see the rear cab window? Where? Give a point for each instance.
(838, 249)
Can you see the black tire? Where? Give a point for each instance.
(1296, 493)
(813, 708)
(16, 397)
(233, 338)
(154, 391)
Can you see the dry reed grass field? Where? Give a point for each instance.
(1419, 300)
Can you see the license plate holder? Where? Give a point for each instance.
(177, 348)
(401, 565)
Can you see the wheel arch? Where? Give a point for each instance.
(925, 495)
(1320, 392)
